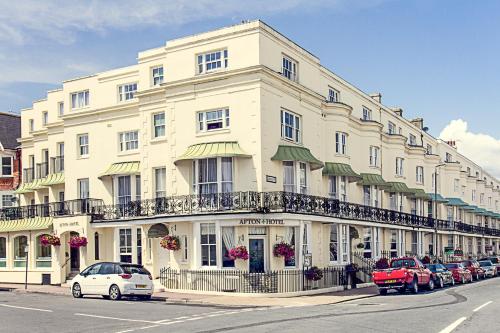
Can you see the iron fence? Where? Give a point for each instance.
(237, 281)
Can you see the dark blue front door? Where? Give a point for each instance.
(256, 255)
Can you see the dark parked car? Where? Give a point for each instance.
(441, 275)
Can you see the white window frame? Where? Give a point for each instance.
(456, 185)
(128, 141)
(83, 148)
(157, 75)
(219, 181)
(391, 128)
(80, 188)
(125, 249)
(80, 99)
(289, 68)
(160, 189)
(6, 197)
(374, 156)
(333, 95)
(400, 166)
(367, 114)
(45, 118)
(159, 126)
(335, 241)
(11, 166)
(337, 186)
(412, 139)
(419, 170)
(31, 125)
(295, 126)
(209, 244)
(126, 92)
(222, 117)
(218, 61)
(300, 183)
(341, 143)
(60, 109)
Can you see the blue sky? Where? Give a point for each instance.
(436, 59)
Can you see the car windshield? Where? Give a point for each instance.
(451, 266)
(134, 269)
(485, 263)
(432, 267)
(398, 263)
(494, 260)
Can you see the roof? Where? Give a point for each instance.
(10, 130)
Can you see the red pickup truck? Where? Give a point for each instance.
(403, 273)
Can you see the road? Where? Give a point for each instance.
(465, 308)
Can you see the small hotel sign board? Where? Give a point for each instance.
(271, 179)
(262, 222)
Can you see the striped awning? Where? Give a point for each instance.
(296, 153)
(53, 179)
(122, 168)
(419, 193)
(340, 169)
(213, 149)
(36, 223)
(398, 187)
(456, 202)
(29, 187)
(370, 179)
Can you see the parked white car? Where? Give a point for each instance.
(112, 281)
(490, 270)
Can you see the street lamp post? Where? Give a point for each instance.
(434, 214)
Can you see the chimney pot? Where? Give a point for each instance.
(377, 97)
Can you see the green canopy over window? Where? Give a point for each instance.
(370, 179)
(419, 193)
(398, 187)
(456, 202)
(340, 169)
(469, 207)
(36, 223)
(53, 179)
(437, 198)
(213, 149)
(122, 168)
(296, 153)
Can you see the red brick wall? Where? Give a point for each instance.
(11, 183)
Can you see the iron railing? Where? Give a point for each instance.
(276, 202)
(70, 207)
(237, 281)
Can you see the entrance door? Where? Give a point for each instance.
(257, 260)
(75, 256)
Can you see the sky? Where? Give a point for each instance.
(437, 59)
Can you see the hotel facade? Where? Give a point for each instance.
(235, 137)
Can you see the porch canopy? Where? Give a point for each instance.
(36, 223)
(372, 179)
(122, 168)
(213, 149)
(340, 169)
(469, 207)
(53, 179)
(296, 153)
(399, 187)
(158, 230)
(438, 198)
(419, 193)
(456, 202)
(24, 188)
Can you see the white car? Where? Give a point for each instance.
(112, 281)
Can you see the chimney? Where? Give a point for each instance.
(419, 122)
(397, 110)
(377, 97)
(452, 143)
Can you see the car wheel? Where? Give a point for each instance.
(114, 293)
(77, 291)
(452, 281)
(441, 283)
(477, 277)
(382, 291)
(463, 279)
(431, 284)
(414, 286)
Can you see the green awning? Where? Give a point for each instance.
(295, 153)
(456, 202)
(490, 213)
(398, 187)
(123, 168)
(480, 211)
(372, 179)
(419, 193)
(213, 149)
(53, 179)
(36, 223)
(340, 169)
(23, 188)
(469, 207)
(437, 198)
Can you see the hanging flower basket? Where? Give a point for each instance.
(238, 252)
(283, 250)
(77, 241)
(171, 242)
(382, 263)
(48, 240)
(313, 274)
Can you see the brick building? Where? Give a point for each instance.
(10, 157)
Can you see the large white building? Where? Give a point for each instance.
(236, 137)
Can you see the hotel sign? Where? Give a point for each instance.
(262, 222)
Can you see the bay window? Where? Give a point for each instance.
(213, 175)
(371, 195)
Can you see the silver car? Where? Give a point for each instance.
(490, 270)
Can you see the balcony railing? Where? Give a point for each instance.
(70, 207)
(275, 202)
(57, 164)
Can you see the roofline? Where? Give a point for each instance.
(4, 113)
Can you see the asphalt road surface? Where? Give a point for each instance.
(466, 308)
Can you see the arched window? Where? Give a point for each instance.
(20, 246)
(96, 246)
(3, 252)
(43, 254)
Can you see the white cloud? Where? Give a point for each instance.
(481, 148)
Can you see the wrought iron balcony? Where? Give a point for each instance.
(64, 208)
(275, 202)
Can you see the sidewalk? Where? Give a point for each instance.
(221, 300)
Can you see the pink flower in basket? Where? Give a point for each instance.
(48, 240)
(171, 242)
(77, 241)
(284, 250)
(239, 252)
